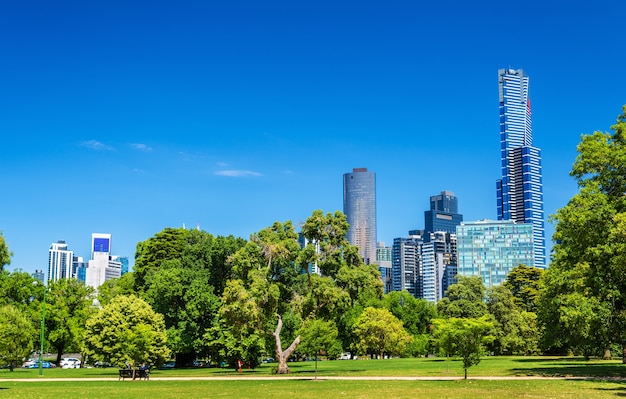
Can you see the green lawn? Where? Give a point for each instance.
(314, 389)
(31, 386)
(489, 366)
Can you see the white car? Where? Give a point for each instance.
(70, 363)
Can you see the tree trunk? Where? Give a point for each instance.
(607, 354)
(465, 370)
(624, 353)
(283, 356)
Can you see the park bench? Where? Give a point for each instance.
(129, 373)
(126, 373)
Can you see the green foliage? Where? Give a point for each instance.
(379, 332)
(415, 314)
(126, 330)
(465, 299)
(328, 231)
(5, 254)
(16, 336)
(18, 288)
(68, 307)
(150, 254)
(124, 285)
(523, 281)
(180, 275)
(362, 283)
(582, 292)
(514, 331)
(318, 338)
(464, 337)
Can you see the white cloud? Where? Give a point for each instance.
(237, 173)
(96, 145)
(141, 147)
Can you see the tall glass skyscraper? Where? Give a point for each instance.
(359, 205)
(520, 190)
(443, 214)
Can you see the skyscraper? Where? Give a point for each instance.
(491, 249)
(519, 191)
(406, 265)
(359, 205)
(59, 261)
(443, 214)
(102, 266)
(439, 264)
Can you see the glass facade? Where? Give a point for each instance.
(359, 205)
(443, 214)
(491, 249)
(520, 190)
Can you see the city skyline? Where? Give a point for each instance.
(130, 118)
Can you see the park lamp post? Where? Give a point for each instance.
(43, 319)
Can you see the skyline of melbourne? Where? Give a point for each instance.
(233, 116)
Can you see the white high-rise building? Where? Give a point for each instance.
(102, 266)
(59, 261)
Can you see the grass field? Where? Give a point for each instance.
(314, 389)
(32, 386)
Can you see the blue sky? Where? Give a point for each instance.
(129, 117)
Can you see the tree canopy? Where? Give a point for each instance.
(584, 290)
(126, 330)
(16, 336)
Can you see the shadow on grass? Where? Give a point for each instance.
(619, 390)
(566, 369)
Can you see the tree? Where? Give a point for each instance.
(124, 285)
(523, 281)
(68, 307)
(17, 288)
(465, 299)
(5, 254)
(379, 332)
(465, 337)
(584, 290)
(514, 331)
(16, 336)
(179, 274)
(416, 314)
(319, 337)
(164, 246)
(126, 330)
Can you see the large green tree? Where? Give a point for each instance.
(181, 274)
(68, 307)
(464, 337)
(379, 332)
(126, 330)
(584, 290)
(319, 337)
(16, 335)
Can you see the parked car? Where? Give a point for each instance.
(70, 363)
(29, 363)
(102, 364)
(44, 364)
(169, 365)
